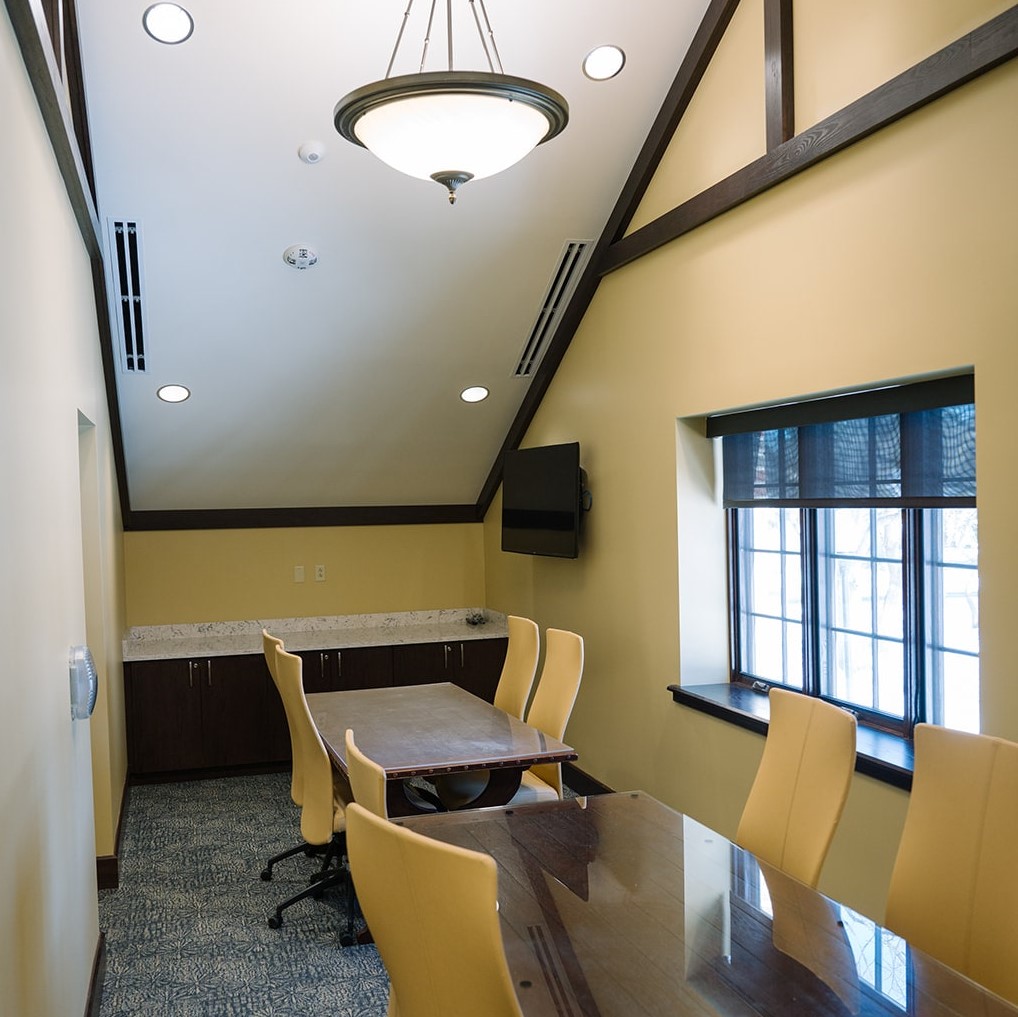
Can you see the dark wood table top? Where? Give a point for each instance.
(618, 906)
(425, 730)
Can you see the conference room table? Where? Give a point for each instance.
(428, 730)
(617, 906)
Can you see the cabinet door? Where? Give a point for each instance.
(163, 707)
(364, 667)
(479, 665)
(422, 663)
(235, 710)
(319, 671)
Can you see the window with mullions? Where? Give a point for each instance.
(852, 551)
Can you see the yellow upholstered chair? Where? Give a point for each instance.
(517, 678)
(324, 795)
(432, 910)
(801, 785)
(550, 711)
(954, 887)
(269, 646)
(367, 779)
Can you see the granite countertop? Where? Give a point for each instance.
(337, 632)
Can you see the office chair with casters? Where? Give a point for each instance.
(324, 795)
(954, 886)
(514, 684)
(269, 646)
(433, 911)
(550, 711)
(520, 667)
(801, 785)
(367, 779)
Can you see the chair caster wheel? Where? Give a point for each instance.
(275, 922)
(266, 874)
(346, 939)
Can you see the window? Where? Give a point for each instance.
(852, 551)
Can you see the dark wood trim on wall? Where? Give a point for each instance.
(30, 29)
(93, 1002)
(974, 54)
(780, 72)
(690, 73)
(351, 515)
(107, 867)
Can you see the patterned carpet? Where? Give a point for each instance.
(186, 932)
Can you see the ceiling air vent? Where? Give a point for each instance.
(126, 292)
(563, 282)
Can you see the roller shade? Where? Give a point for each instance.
(840, 455)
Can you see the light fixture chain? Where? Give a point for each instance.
(399, 39)
(427, 35)
(491, 37)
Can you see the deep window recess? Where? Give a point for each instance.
(852, 551)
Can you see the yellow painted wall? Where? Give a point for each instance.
(51, 379)
(895, 259)
(176, 577)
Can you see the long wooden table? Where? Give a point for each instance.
(426, 730)
(618, 906)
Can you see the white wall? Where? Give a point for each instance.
(49, 372)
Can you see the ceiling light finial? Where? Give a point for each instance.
(451, 126)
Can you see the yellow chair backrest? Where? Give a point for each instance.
(520, 666)
(954, 888)
(317, 808)
(801, 785)
(367, 779)
(431, 908)
(556, 694)
(269, 646)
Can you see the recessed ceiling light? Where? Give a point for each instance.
(173, 393)
(603, 63)
(168, 23)
(474, 394)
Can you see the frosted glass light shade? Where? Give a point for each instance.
(451, 125)
(451, 131)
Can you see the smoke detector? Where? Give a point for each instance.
(311, 152)
(300, 256)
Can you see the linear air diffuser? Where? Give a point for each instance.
(563, 282)
(126, 292)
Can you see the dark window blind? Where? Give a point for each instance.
(917, 450)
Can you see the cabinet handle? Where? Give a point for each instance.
(190, 674)
(446, 648)
(462, 661)
(208, 664)
(339, 663)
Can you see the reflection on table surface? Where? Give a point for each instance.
(617, 906)
(415, 730)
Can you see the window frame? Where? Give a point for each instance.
(914, 636)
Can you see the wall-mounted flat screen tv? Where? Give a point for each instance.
(542, 491)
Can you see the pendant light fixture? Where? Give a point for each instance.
(451, 126)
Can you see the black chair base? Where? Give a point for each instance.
(310, 850)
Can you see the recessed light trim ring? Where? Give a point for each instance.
(168, 23)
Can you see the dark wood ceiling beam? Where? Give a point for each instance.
(698, 57)
(974, 54)
(267, 518)
(780, 72)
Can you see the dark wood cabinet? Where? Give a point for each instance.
(473, 664)
(358, 667)
(211, 713)
(202, 713)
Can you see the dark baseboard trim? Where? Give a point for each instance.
(582, 782)
(107, 867)
(95, 986)
(172, 776)
(107, 872)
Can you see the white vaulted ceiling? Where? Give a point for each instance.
(339, 385)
